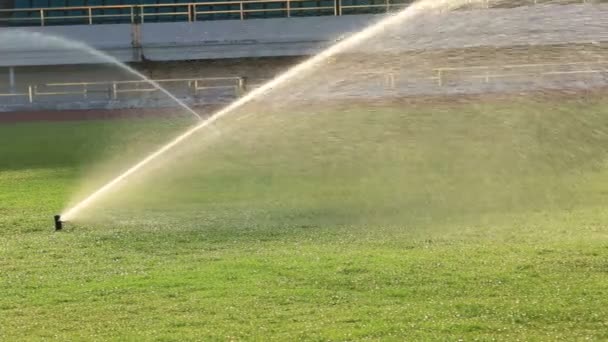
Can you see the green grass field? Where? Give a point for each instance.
(473, 221)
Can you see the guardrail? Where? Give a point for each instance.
(111, 91)
(193, 11)
(193, 87)
(214, 10)
(488, 73)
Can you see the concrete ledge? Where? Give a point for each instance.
(535, 25)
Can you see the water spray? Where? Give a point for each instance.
(307, 65)
(77, 45)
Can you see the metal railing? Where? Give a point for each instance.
(488, 73)
(209, 10)
(193, 87)
(193, 11)
(111, 91)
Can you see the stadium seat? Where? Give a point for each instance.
(166, 9)
(96, 12)
(150, 11)
(182, 9)
(21, 15)
(40, 3)
(50, 15)
(74, 13)
(126, 12)
(166, 13)
(112, 11)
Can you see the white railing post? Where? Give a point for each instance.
(30, 94)
(288, 8)
(41, 17)
(390, 81)
(241, 10)
(241, 86)
(90, 12)
(11, 79)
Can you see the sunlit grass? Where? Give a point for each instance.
(485, 221)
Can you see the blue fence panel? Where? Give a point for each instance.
(216, 8)
(112, 11)
(19, 17)
(167, 13)
(166, 9)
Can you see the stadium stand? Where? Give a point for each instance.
(5, 5)
(74, 12)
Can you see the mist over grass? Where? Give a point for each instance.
(381, 165)
(476, 221)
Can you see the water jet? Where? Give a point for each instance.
(305, 67)
(16, 39)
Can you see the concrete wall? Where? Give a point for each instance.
(537, 25)
(175, 41)
(60, 45)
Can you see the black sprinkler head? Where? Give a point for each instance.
(58, 223)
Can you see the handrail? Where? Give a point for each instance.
(162, 80)
(515, 66)
(113, 88)
(138, 13)
(239, 85)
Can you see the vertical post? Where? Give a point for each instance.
(114, 91)
(136, 42)
(390, 81)
(193, 12)
(11, 79)
(241, 86)
(90, 11)
(41, 17)
(191, 88)
(388, 6)
(288, 5)
(30, 94)
(439, 77)
(241, 10)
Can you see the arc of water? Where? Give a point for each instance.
(103, 57)
(353, 40)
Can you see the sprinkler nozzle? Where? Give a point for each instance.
(58, 222)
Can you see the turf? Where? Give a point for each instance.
(426, 223)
